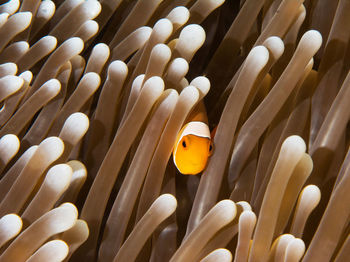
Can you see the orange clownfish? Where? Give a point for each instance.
(193, 145)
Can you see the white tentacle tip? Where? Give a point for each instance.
(227, 209)
(260, 55)
(295, 142)
(11, 225)
(117, 67)
(166, 203)
(313, 37)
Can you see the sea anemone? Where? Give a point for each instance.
(94, 94)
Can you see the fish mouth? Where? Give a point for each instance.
(198, 167)
(193, 170)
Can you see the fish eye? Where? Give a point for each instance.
(211, 148)
(184, 143)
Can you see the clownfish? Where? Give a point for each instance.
(193, 144)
